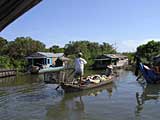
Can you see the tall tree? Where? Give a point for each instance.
(3, 42)
(56, 49)
(89, 49)
(23, 46)
(148, 51)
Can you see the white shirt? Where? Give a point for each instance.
(79, 64)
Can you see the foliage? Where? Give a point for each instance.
(13, 53)
(5, 62)
(17, 50)
(89, 49)
(56, 49)
(130, 56)
(23, 47)
(3, 42)
(148, 51)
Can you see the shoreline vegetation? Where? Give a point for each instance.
(13, 53)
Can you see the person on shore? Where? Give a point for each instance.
(79, 66)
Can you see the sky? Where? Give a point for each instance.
(125, 24)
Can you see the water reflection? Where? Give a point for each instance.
(149, 93)
(20, 80)
(72, 105)
(28, 97)
(16, 85)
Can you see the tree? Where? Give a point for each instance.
(131, 56)
(5, 62)
(22, 47)
(148, 51)
(89, 49)
(18, 49)
(56, 49)
(3, 42)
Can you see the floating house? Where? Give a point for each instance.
(116, 60)
(45, 59)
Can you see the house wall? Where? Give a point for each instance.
(121, 63)
(53, 60)
(48, 62)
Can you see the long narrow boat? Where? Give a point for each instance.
(150, 75)
(36, 70)
(51, 69)
(92, 92)
(76, 88)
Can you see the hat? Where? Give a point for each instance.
(80, 54)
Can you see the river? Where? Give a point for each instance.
(29, 98)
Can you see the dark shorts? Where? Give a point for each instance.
(78, 74)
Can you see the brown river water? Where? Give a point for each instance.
(29, 98)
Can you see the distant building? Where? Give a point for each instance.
(102, 61)
(45, 59)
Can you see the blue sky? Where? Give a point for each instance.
(123, 23)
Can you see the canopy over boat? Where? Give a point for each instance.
(12, 9)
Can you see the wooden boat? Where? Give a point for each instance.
(36, 70)
(92, 92)
(76, 87)
(150, 75)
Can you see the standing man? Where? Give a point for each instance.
(79, 66)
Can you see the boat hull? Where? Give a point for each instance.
(68, 88)
(149, 75)
(36, 70)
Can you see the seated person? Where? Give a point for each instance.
(109, 70)
(157, 69)
(58, 62)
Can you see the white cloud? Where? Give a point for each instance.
(131, 45)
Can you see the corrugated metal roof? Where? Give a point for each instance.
(12, 9)
(48, 54)
(111, 55)
(45, 55)
(36, 55)
(115, 55)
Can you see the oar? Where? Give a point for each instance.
(57, 87)
(71, 73)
